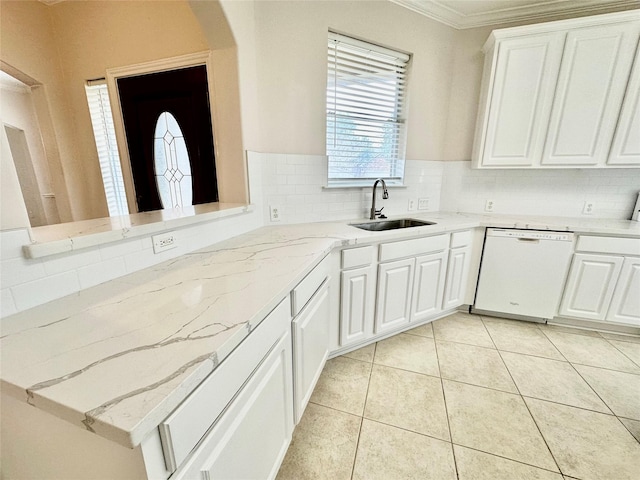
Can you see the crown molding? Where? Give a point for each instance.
(538, 11)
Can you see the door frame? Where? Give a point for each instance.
(173, 63)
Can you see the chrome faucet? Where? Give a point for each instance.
(385, 195)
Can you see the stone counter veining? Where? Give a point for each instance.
(116, 359)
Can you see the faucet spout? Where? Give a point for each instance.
(385, 195)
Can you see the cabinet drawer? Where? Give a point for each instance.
(358, 257)
(413, 247)
(252, 436)
(303, 292)
(615, 245)
(184, 428)
(461, 239)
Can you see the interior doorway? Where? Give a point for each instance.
(167, 123)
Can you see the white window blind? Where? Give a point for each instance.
(366, 91)
(105, 136)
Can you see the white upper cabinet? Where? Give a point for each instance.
(525, 79)
(554, 95)
(626, 142)
(593, 78)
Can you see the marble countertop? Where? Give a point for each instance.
(117, 358)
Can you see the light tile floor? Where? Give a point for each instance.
(474, 397)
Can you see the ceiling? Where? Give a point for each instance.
(463, 14)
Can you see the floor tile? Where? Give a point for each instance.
(520, 337)
(476, 365)
(595, 352)
(343, 385)
(387, 453)
(600, 447)
(408, 352)
(633, 426)
(552, 380)
(425, 330)
(462, 328)
(408, 400)
(365, 353)
(323, 446)
(621, 337)
(619, 390)
(631, 350)
(495, 422)
(475, 465)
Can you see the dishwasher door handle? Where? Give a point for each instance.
(530, 240)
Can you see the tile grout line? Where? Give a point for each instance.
(630, 359)
(506, 458)
(525, 403)
(446, 409)
(366, 396)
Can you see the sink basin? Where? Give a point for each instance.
(380, 225)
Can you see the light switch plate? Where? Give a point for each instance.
(423, 203)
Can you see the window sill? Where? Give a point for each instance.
(336, 186)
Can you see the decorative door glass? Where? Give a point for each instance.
(171, 163)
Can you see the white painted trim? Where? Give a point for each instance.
(113, 74)
(538, 11)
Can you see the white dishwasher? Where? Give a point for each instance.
(523, 272)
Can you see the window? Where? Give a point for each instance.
(105, 136)
(366, 91)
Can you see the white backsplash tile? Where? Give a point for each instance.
(37, 292)
(301, 196)
(20, 270)
(7, 305)
(64, 263)
(97, 273)
(11, 243)
(557, 192)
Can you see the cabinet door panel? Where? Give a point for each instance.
(626, 142)
(395, 281)
(252, 437)
(590, 286)
(310, 346)
(522, 94)
(457, 273)
(625, 306)
(357, 305)
(428, 286)
(591, 85)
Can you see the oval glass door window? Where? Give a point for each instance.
(171, 163)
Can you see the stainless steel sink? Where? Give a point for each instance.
(391, 224)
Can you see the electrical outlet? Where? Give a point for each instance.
(164, 241)
(411, 206)
(274, 213)
(423, 203)
(488, 206)
(588, 208)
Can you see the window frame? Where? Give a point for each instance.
(375, 110)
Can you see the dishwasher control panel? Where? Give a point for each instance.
(530, 234)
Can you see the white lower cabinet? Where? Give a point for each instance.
(358, 290)
(395, 284)
(625, 304)
(590, 286)
(428, 285)
(310, 346)
(252, 437)
(457, 277)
